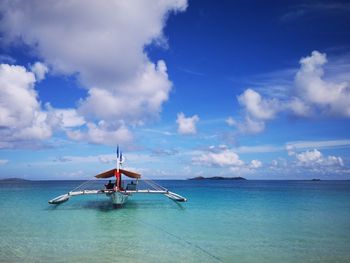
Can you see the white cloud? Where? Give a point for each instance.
(103, 158)
(309, 9)
(18, 99)
(21, 117)
(310, 163)
(222, 158)
(230, 121)
(315, 158)
(329, 96)
(290, 149)
(258, 149)
(313, 95)
(166, 133)
(68, 117)
(309, 156)
(23, 122)
(257, 107)
(107, 159)
(225, 158)
(317, 144)
(136, 100)
(250, 126)
(254, 164)
(103, 41)
(138, 159)
(186, 125)
(257, 111)
(40, 70)
(299, 107)
(102, 133)
(103, 44)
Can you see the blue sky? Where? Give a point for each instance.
(198, 88)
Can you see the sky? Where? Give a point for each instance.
(259, 89)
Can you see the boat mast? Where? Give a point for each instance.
(117, 172)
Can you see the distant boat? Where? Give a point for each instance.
(116, 192)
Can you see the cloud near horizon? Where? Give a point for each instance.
(316, 158)
(310, 161)
(223, 157)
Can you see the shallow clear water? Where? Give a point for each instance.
(223, 221)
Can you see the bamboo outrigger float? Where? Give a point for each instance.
(116, 192)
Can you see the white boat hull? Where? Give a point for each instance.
(59, 199)
(118, 198)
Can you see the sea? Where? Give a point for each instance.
(222, 221)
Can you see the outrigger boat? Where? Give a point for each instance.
(116, 192)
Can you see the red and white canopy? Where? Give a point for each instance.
(111, 173)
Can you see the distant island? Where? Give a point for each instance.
(315, 179)
(14, 180)
(217, 178)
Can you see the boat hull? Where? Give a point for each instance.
(118, 199)
(59, 200)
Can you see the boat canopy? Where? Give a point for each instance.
(111, 173)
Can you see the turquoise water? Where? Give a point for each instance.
(223, 221)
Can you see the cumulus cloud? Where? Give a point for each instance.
(225, 158)
(103, 44)
(250, 126)
(328, 96)
(309, 162)
(311, 93)
(257, 110)
(68, 118)
(255, 164)
(137, 100)
(102, 133)
(18, 98)
(186, 125)
(103, 41)
(257, 107)
(21, 116)
(290, 149)
(315, 158)
(40, 70)
(23, 120)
